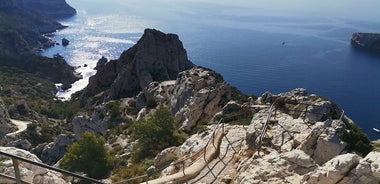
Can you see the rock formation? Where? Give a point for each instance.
(51, 8)
(89, 124)
(366, 41)
(156, 57)
(65, 42)
(28, 172)
(54, 151)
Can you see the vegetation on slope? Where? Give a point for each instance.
(88, 155)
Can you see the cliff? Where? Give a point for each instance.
(155, 57)
(52, 8)
(366, 41)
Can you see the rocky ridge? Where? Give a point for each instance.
(366, 41)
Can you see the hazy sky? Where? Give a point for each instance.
(368, 10)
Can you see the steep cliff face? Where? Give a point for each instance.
(51, 8)
(156, 57)
(366, 41)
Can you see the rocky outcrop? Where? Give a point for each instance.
(28, 172)
(89, 124)
(302, 144)
(5, 122)
(65, 42)
(54, 151)
(156, 57)
(198, 94)
(366, 41)
(51, 8)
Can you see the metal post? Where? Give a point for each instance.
(17, 170)
(183, 168)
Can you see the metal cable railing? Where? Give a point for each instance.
(18, 179)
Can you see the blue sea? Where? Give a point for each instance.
(257, 46)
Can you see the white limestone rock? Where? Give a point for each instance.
(334, 170)
(29, 173)
(166, 156)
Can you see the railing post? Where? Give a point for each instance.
(183, 168)
(17, 170)
(341, 116)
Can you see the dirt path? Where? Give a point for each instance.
(21, 126)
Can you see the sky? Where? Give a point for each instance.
(368, 10)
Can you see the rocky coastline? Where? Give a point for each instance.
(308, 138)
(366, 41)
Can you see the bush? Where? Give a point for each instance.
(151, 102)
(88, 155)
(156, 133)
(356, 140)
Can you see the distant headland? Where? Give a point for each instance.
(366, 41)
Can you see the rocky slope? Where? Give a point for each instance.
(366, 41)
(51, 8)
(302, 144)
(155, 57)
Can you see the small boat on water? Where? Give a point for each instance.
(376, 130)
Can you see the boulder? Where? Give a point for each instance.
(155, 57)
(29, 173)
(367, 171)
(334, 170)
(166, 156)
(299, 158)
(54, 151)
(65, 42)
(21, 144)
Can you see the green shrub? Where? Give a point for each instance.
(356, 140)
(88, 155)
(156, 133)
(151, 102)
(134, 170)
(240, 97)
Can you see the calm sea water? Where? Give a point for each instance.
(256, 46)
